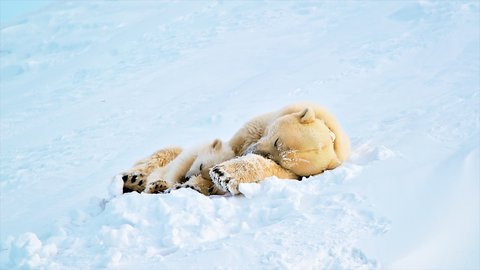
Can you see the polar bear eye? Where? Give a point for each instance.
(201, 166)
(275, 144)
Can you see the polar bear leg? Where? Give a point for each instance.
(246, 169)
(135, 179)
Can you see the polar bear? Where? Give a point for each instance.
(299, 140)
(197, 175)
(173, 167)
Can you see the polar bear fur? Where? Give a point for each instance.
(197, 177)
(156, 174)
(135, 179)
(299, 140)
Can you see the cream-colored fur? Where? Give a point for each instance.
(191, 163)
(170, 167)
(247, 169)
(302, 139)
(299, 140)
(200, 184)
(173, 173)
(135, 179)
(208, 157)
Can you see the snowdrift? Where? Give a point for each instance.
(88, 88)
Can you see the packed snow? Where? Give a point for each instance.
(90, 87)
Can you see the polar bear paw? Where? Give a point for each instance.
(133, 181)
(223, 180)
(159, 186)
(184, 185)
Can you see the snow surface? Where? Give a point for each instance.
(89, 87)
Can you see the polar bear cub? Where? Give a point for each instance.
(190, 169)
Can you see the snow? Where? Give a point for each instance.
(90, 87)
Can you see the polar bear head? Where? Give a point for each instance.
(216, 152)
(299, 142)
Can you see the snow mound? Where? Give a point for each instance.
(160, 230)
(89, 87)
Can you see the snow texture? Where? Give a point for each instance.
(90, 87)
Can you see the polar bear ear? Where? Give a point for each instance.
(307, 116)
(216, 145)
